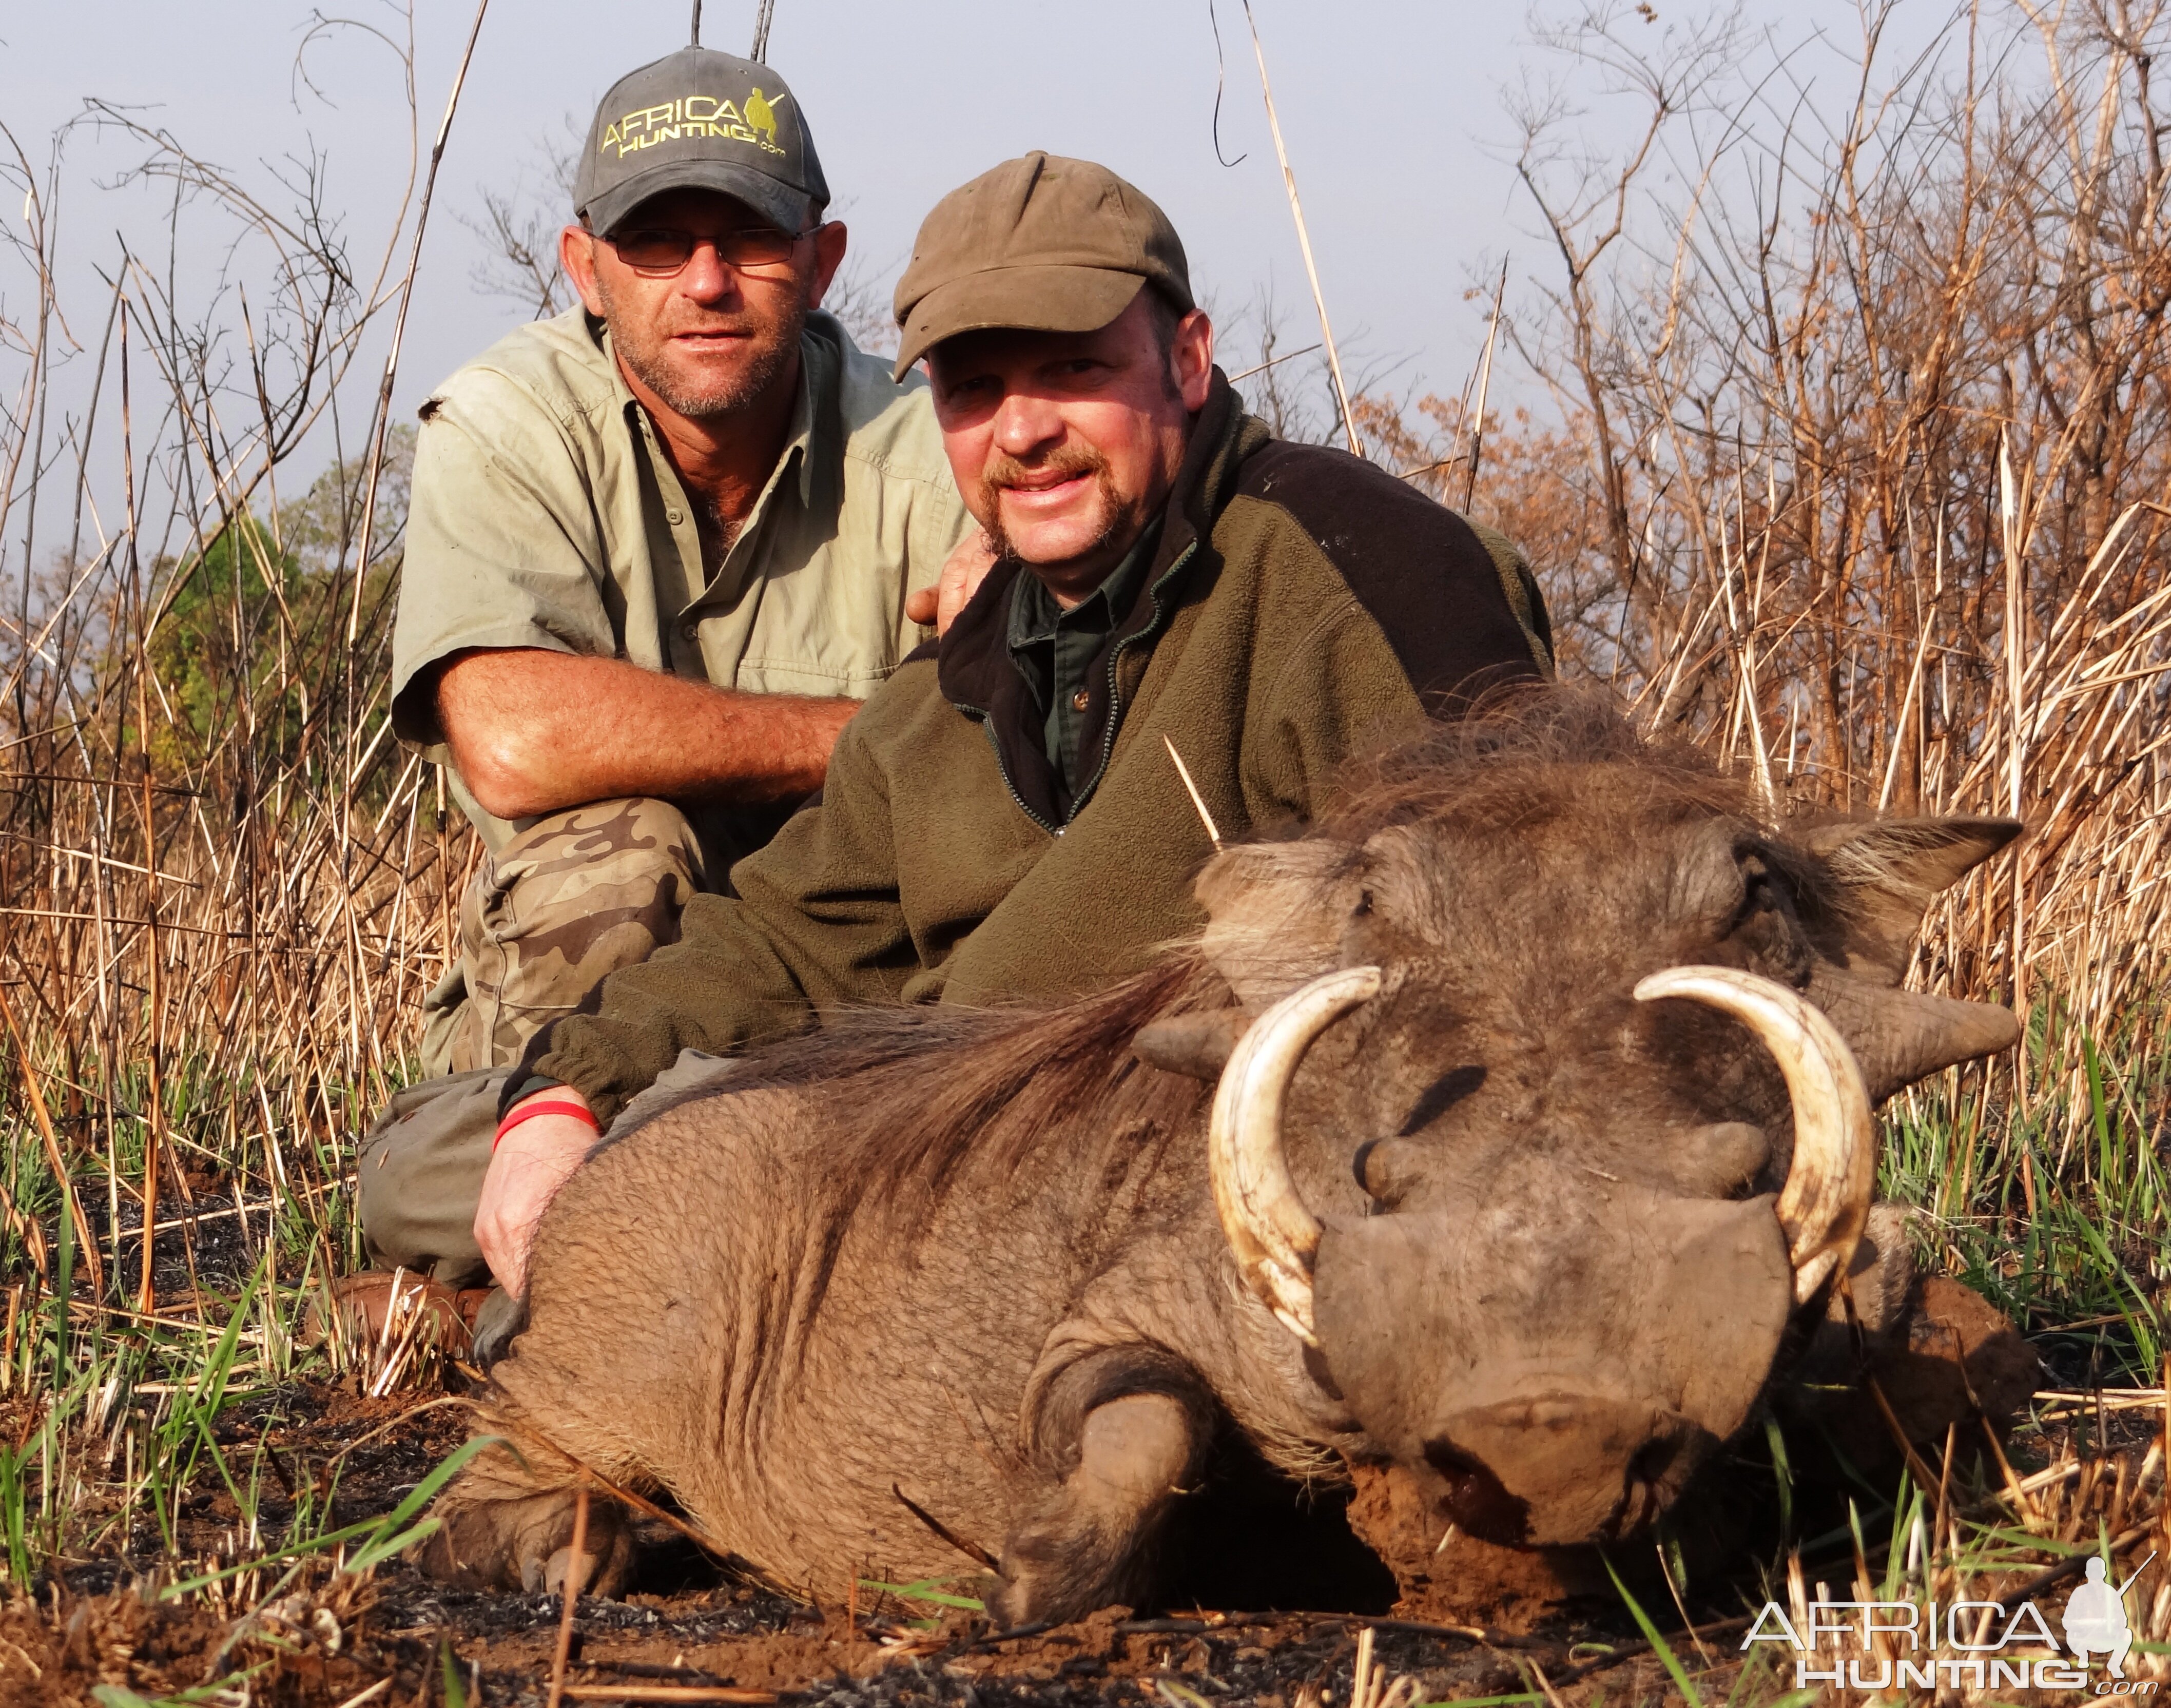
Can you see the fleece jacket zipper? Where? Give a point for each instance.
(1115, 694)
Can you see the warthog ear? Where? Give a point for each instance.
(1275, 914)
(1888, 872)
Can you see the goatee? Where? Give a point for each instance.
(1066, 464)
(767, 359)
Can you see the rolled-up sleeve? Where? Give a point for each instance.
(504, 548)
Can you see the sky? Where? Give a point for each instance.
(1392, 111)
(1387, 109)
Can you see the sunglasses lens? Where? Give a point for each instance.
(662, 251)
(759, 247)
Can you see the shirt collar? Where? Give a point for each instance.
(1035, 615)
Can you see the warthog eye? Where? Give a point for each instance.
(1449, 1088)
(1768, 921)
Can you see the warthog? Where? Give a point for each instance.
(1494, 1131)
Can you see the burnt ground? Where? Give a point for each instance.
(690, 1624)
(686, 1622)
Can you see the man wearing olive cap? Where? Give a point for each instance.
(1002, 820)
(659, 548)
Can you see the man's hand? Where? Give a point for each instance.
(962, 572)
(530, 1163)
(535, 731)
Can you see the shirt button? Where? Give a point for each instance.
(689, 631)
(675, 516)
(1078, 701)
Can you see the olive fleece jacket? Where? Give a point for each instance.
(1301, 605)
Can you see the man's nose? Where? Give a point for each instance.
(1026, 423)
(706, 278)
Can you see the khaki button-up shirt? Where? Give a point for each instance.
(544, 514)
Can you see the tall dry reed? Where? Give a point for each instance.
(1859, 463)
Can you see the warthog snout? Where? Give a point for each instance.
(1563, 1356)
(1564, 1467)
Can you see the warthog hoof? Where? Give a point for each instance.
(526, 1544)
(1078, 1551)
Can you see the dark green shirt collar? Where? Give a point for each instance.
(1054, 651)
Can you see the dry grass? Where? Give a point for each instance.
(1859, 477)
(1856, 471)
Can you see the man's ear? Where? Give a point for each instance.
(577, 255)
(1887, 874)
(1191, 359)
(1275, 914)
(829, 244)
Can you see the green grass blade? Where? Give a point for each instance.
(378, 1532)
(1782, 1470)
(121, 1696)
(1666, 1655)
(456, 1691)
(14, 1515)
(924, 1590)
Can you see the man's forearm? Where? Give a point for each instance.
(818, 925)
(534, 731)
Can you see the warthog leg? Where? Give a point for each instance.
(509, 1524)
(1087, 1540)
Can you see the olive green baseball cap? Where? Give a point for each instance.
(1043, 244)
(699, 120)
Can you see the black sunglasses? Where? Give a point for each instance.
(658, 250)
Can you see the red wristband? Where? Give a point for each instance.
(528, 1111)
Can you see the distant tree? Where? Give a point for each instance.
(251, 649)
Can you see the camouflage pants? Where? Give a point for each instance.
(577, 894)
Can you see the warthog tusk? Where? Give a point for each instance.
(1272, 1234)
(1827, 1197)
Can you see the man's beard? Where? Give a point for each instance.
(1071, 461)
(726, 395)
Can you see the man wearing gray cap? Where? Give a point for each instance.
(1002, 822)
(659, 548)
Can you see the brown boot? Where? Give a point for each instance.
(365, 1305)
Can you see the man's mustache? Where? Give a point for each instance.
(1066, 464)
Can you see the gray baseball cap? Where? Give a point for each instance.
(699, 120)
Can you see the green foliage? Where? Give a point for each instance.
(243, 607)
(378, 1540)
(250, 653)
(14, 1510)
(218, 1691)
(2083, 1272)
(927, 1589)
(1667, 1658)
